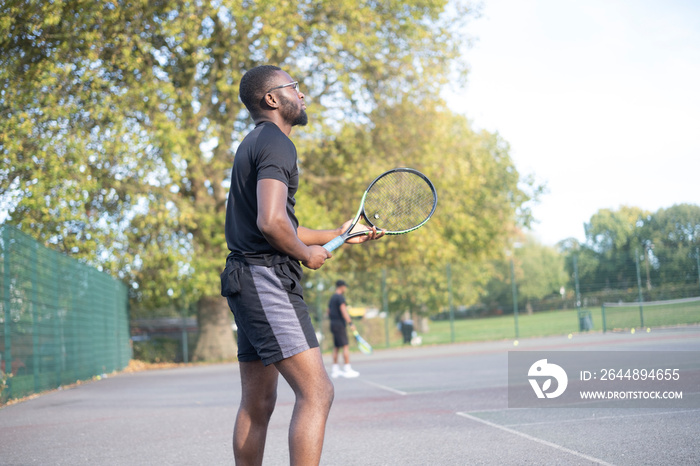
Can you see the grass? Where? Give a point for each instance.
(484, 329)
(655, 315)
(539, 324)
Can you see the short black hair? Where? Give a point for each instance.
(340, 283)
(254, 83)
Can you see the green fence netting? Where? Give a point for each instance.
(60, 320)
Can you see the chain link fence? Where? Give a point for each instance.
(455, 304)
(61, 320)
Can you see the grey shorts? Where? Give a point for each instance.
(268, 306)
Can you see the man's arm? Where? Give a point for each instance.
(346, 315)
(321, 237)
(309, 236)
(278, 230)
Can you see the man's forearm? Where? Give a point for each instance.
(319, 237)
(281, 236)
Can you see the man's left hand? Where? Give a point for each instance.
(372, 233)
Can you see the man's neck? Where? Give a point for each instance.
(278, 121)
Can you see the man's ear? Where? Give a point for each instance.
(270, 100)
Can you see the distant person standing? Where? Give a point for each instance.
(406, 327)
(340, 318)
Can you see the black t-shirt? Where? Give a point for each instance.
(265, 153)
(334, 307)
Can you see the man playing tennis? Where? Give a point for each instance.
(262, 278)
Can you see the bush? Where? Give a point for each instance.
(158, 349)
(4, 384)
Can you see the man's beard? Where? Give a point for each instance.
(297, 116)
(302, 119)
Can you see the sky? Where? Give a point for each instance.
(598, 99)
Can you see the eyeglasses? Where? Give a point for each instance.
(294, 84)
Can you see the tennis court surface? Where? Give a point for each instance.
(442, 405)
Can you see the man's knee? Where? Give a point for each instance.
(261, 403)
(326, 393)
(320, 393)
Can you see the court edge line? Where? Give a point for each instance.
(684, 411)
(384, 387)
(534, 439)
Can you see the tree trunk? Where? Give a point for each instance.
(215, 342)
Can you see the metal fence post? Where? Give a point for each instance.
(515, 297)
(385, 307)
(7, 357)
(697, 258)
(58, 332)
(605, 328)
(451, 303)
(185, 338)
(639, 287)
(33, 304)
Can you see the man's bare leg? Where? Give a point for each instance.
(259, 395)
(307, 376)
(346, 354)
(335, 355)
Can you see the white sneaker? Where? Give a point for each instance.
(336, 372)
(349, 373)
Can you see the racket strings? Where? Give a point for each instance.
(399, 201)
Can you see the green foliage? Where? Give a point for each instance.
(159, 349)
(665, 244)
(480, 195)
(674, 243)
(4, 385)
(80, 158)
(539, 270)
(120, 119)
(119, 123)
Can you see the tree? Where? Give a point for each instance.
(538, 271)
(542, 271)
(482, 200)
(674, 239)
(120, 119)
(661, 247)
(613, 236)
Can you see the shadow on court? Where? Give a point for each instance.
(442, 405)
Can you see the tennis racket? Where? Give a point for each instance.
(398, 201)
(362, 343)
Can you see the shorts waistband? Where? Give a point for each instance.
(267, 260)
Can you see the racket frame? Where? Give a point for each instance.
(340, 239)
(362, 344)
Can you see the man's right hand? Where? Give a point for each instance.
(316, 257)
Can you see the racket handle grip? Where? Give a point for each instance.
(335, 243)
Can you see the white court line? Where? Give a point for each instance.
(535, 439)
(601, 418)
(384, 387)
